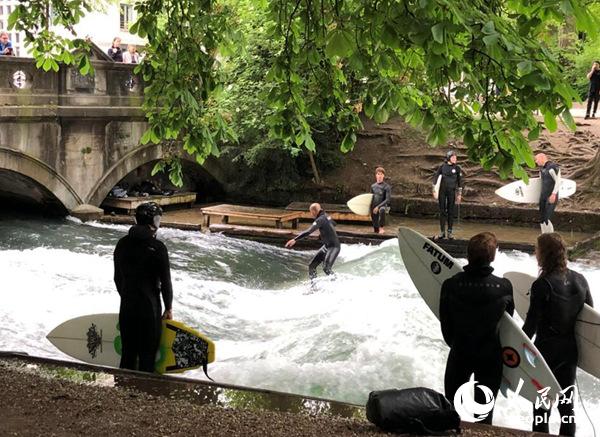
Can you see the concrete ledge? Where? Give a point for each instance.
(581, 221)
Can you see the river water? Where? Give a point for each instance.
(366, 331)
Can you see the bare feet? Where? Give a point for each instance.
(381, 231)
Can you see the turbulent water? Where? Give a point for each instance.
(368, 330)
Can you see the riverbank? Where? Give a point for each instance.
(48, 397)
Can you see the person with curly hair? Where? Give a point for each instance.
(557, 297)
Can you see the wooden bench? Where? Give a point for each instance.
(131, 203)
(225, 211)
(337, 212)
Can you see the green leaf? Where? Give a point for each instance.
(489, 28)
(550, 121)
(534, 134)
(340, 43)
(348, 142)
(47, 64)
(146, 137)
(438, 32)
(381, 116)
(491, 40)
(309, 143)
(524, 67)
(567, 118)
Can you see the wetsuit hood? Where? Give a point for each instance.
(141, 232)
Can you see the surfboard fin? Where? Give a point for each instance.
(205, 368)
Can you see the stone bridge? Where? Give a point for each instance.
(67, 139)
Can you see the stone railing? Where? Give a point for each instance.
(26, 91)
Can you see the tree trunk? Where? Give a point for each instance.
(315, 170)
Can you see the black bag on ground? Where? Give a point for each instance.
(417, 410)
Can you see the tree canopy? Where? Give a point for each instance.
(474, 71)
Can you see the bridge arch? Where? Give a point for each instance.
(40, 172)
(134, 159)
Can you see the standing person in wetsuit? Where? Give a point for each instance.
(557, 297)
(550, 179)
(471, 305)
(594, 91)
(331, 243)
(382, 198)
(449, 193)
(142, 275)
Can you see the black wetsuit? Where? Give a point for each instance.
(382, 198)
(471, 305)
(142, 274)
(548, 185)
(331, 244)
(451, 182)
(556, 301)
(594, 93)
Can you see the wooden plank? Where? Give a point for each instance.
(252, 212)
(131, 203)
(281, 217)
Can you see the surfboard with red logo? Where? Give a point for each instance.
(587, 328)
(428, 265)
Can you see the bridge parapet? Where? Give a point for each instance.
(28, 92)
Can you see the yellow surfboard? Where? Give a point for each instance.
(183, 348)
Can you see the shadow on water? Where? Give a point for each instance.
(196, 392)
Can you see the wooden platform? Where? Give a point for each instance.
(338, 212)
(226, 211)
(129, 204)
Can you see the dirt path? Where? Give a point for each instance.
(34, 405)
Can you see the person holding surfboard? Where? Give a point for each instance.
(381, 200)
(557, 298)
(449, 177)
(472, 303)
(550, 179)
(142, 275)
(330, 250)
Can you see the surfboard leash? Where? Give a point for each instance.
(583, 406)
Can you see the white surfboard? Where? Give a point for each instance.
(587, 329)
(361, 204)
(436, 187)
(96, 339)
(428, 266)
(520, 192)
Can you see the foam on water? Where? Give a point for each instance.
(366, 330)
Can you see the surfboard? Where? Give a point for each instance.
(361, 204)
(436, 187)
(587, 328)
(428, 266)
(520, 192)
(96, 339)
